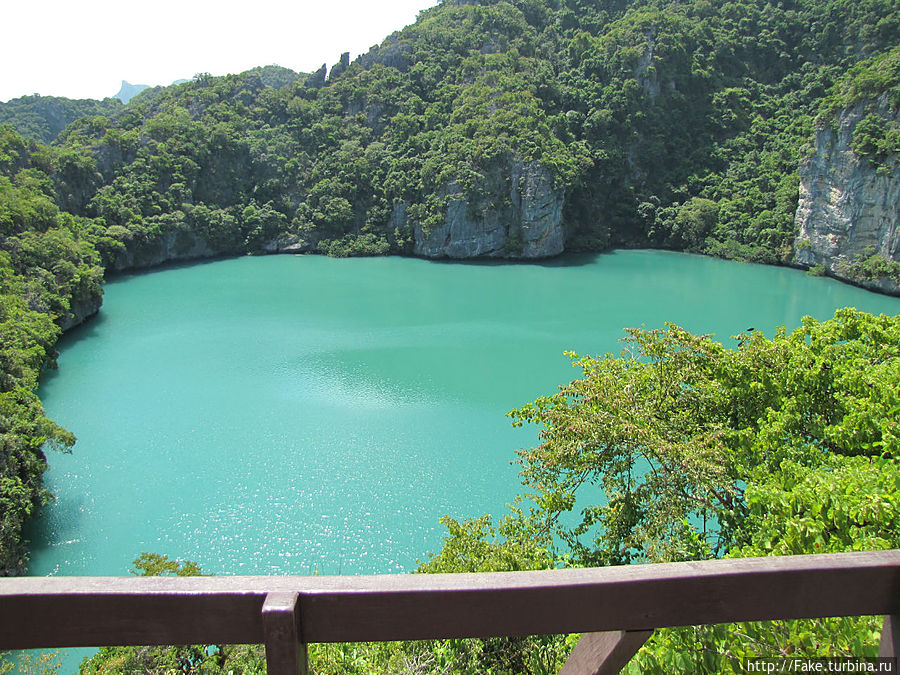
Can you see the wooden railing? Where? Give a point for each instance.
(616, 608)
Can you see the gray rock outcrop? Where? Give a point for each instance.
(81, 310)
(849, 208)
(516, 213)
(169, 247)
(288, 243)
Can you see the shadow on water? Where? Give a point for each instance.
(42, 533)
(564, 260)
(113, 276)
(92, 326)
(89, 329)
(86, 331)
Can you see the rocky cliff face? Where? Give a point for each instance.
(288, 243)
(514, 212)
(173, 246)
(81, 310)
(849, 209)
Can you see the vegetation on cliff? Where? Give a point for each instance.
(874, 83)
(47, 265)
(850, 181)
(42, 118)
(867, 81)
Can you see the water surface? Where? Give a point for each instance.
(300, 414)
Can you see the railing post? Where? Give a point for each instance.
(890, 636)
(285, 653)
(604, 653)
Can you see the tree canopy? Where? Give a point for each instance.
(666, 124)
(682, 449)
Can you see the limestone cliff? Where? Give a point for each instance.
(172, 246)
(80, 310)
(848, 218)
(288, 243)
(512, 212)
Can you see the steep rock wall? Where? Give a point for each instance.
(80, 310)
(172, 246)
(513, 212)
(849, 207)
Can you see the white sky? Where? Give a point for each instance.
(84, 49)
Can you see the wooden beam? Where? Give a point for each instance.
(632, 597)
(285, 652)
(890, 636)
(604, 653)
(94, 611)
(97, 611)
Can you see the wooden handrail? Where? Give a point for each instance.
(284, 612)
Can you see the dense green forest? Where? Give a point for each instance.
(676, 125)
(673, 124)
(42, 118)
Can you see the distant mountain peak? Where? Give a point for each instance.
(128, 91)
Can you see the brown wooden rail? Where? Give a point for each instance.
(616, 607)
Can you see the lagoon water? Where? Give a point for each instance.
(300, 414)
